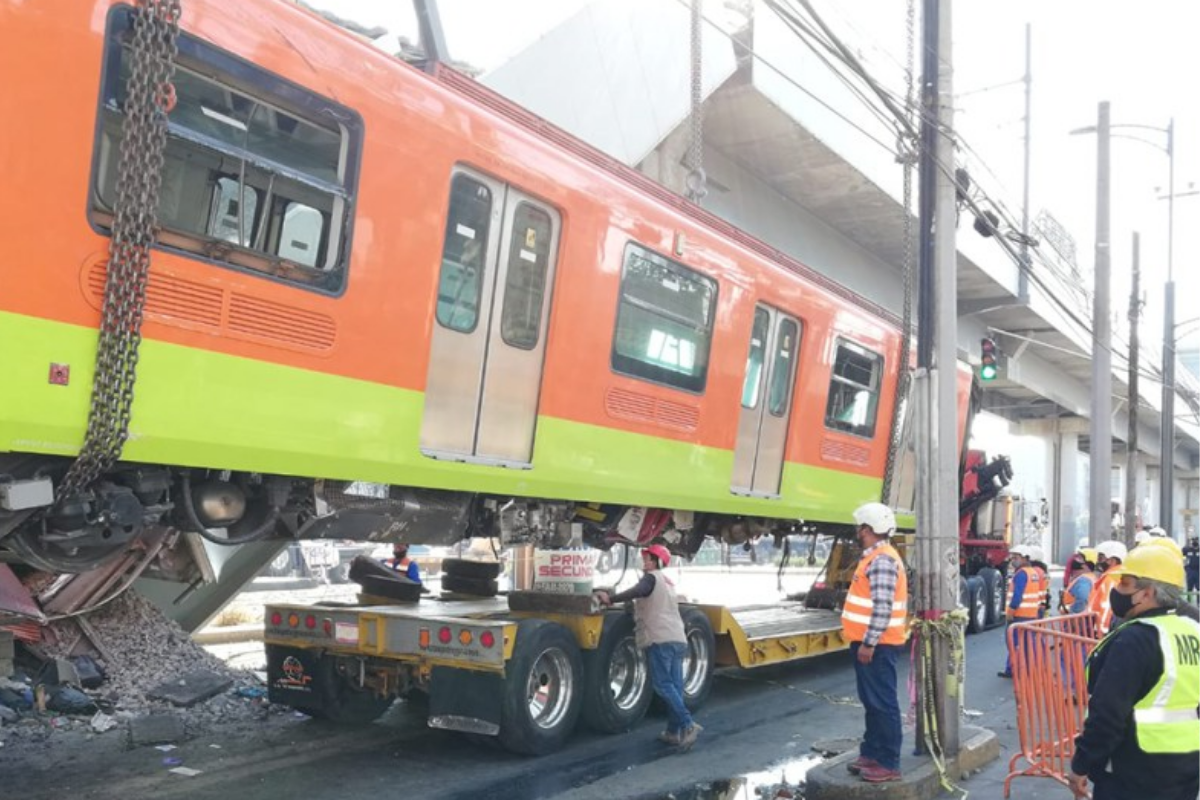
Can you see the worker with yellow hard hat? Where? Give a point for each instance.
(1141, 737)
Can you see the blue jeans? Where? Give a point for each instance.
(666, 676)
(877, 691)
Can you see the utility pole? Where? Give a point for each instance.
(1132, 439)
(1166, 476)
(1023, 276)
(1100, 428)
(935, 381)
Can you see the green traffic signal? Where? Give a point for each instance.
(987, 372)
(988, 365)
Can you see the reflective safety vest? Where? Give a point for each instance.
(1167, 719)
(1098, 600)
(856, 615)
(1032, 596)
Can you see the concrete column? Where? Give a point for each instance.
(1141, 491)
(1066, 501)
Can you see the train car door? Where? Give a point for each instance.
(489, 333)
(766, 403)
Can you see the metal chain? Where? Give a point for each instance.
(906, 154)
(697, 181)
(149, 97)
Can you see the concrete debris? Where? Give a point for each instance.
(102, 722)
(156, 729)
(7, 715)
(191, 688)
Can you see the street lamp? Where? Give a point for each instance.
(1166, 499)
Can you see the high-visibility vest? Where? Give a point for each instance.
(1031, 597)
(856, 614)
(1166, 717)
(1098, 600)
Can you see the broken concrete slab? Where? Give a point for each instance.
(156, 729)
(191, 688)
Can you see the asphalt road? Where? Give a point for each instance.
(760, 724)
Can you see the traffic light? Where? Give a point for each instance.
(989, 366)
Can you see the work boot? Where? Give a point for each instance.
(879, 774)
(687, 738)
(859, 764)
(1003, 674)
(669, 738)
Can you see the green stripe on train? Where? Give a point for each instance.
(204, 409)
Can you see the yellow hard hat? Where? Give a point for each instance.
(1154, 563)
(1089, 554)
(1165, 544)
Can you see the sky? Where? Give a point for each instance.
(1139, 57)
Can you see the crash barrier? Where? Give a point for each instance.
(1048, 658)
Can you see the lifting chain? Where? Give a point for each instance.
(906, 155)
(150, 95)
(697, 181)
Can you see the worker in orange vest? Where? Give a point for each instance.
(1026, 592)
(1111, 555)
(401, 563)
(875, 622)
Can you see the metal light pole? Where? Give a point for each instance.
(1100, 428)
(1166, 489)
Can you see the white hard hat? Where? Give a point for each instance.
(1113, 549)
(1036, 553)
(1141, 536)
(877, 517)
(1157, 531)
(1023, 550)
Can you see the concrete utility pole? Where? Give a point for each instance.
(935, 383)
(1101, 421)
(1132, 439)
(1166, 477)
(1023, 276)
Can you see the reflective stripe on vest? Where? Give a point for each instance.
(1031, 598)
(1098, 600)
(1168, 717)
(856, 613)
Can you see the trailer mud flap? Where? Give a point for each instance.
(465, 700)
(294, 677)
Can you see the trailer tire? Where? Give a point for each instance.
(995, 593)
(699, 661)
(468, 568)
(480, 587)
(977, 605)
(616, 678)
(543, 689)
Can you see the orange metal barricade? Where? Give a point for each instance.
(1048, 657)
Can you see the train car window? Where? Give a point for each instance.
(259, 173)
(525, 287)
(464, 248)
(756, 358)
(854, 390)
(783, 370)
(664, 321)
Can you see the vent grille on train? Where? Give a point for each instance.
(845, 452)
(624, 404)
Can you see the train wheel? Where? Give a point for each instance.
(543, 689)
(698, 661)
(616, 688)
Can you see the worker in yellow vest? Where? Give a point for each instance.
(875, 622)
(1141, 737)
(1112, 555)
(1026, 593)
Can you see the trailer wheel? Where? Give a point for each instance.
(698, 661)
(344, 703)
(467, 568)
(480, 587)
(616, 684)
(977, 605)
(995, 592)
(543, 689)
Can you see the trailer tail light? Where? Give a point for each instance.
(328, 627)
(277, 619)
(444, 635)
(293, 620)
(487, 639)
(423, 638)
(464, 637)
(310, 622)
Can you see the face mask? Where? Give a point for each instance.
(1121, 604)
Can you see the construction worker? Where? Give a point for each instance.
(1026, 593)
(1141, 737)
(1111, 555)
(658, 629)
(1191, 564)
(1074, 563)
(874, 621)
(401, 563)
(1037, 560)
(1074, 600)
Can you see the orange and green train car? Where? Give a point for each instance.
(386, 302)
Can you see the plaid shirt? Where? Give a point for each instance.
(882, 576)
